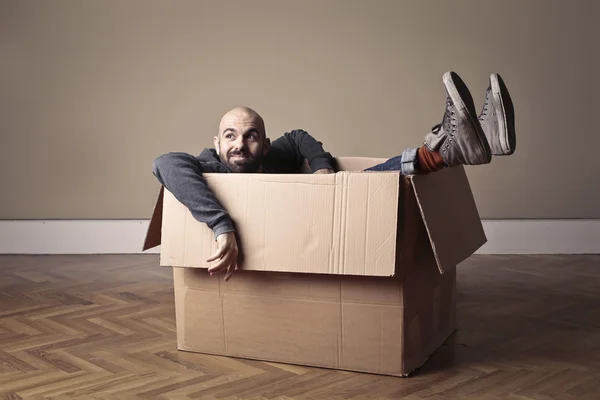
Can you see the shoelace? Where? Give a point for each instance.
(446, 119)
(485, 105)
(449, 122)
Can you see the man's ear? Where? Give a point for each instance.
(266, 146)
(216, 144)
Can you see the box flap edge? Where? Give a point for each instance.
(153, 234)
(452, 185)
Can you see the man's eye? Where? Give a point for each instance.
(228, 136)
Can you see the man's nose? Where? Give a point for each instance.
(240, 143)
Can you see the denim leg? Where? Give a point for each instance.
(406, 163)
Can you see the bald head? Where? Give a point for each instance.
(240, 117)
(242, 141)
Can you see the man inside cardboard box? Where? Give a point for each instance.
(241, 145)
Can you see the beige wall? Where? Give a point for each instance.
(92, 91)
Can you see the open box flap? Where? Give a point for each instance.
(339, 224)
(450, 215)
(153, 234)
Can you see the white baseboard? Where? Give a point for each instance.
(73, 237)
(127, 237)
(552, 236)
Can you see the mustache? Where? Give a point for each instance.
(239, 153)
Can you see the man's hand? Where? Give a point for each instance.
(324, 171)
(227, 254)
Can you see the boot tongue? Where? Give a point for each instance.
(435, 138)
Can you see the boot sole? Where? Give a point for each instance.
(506, 116)
(463, 100)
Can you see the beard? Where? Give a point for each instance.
(247, 164)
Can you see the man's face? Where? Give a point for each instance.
(241, 142)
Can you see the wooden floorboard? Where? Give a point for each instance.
(103, 327)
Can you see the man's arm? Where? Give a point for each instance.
(181, 174)
(299, 145)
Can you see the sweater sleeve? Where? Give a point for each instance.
(181, 174)
(304, 146)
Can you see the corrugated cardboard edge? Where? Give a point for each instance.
(153, 234)
(446, 197)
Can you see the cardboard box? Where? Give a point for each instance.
(353, 270)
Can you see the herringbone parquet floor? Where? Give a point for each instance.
(103, 327)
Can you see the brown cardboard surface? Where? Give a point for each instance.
(332, 321)
(153, 235)
(358, 323)
(450, 215)
(379, 325)
(343, 223)
(430, 303)
(340, 270)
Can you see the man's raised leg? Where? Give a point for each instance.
(457, 140)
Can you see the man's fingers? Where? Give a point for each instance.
(222, 263)
(218, 254)
(226, 267)
(216, 266)
(227, 260)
